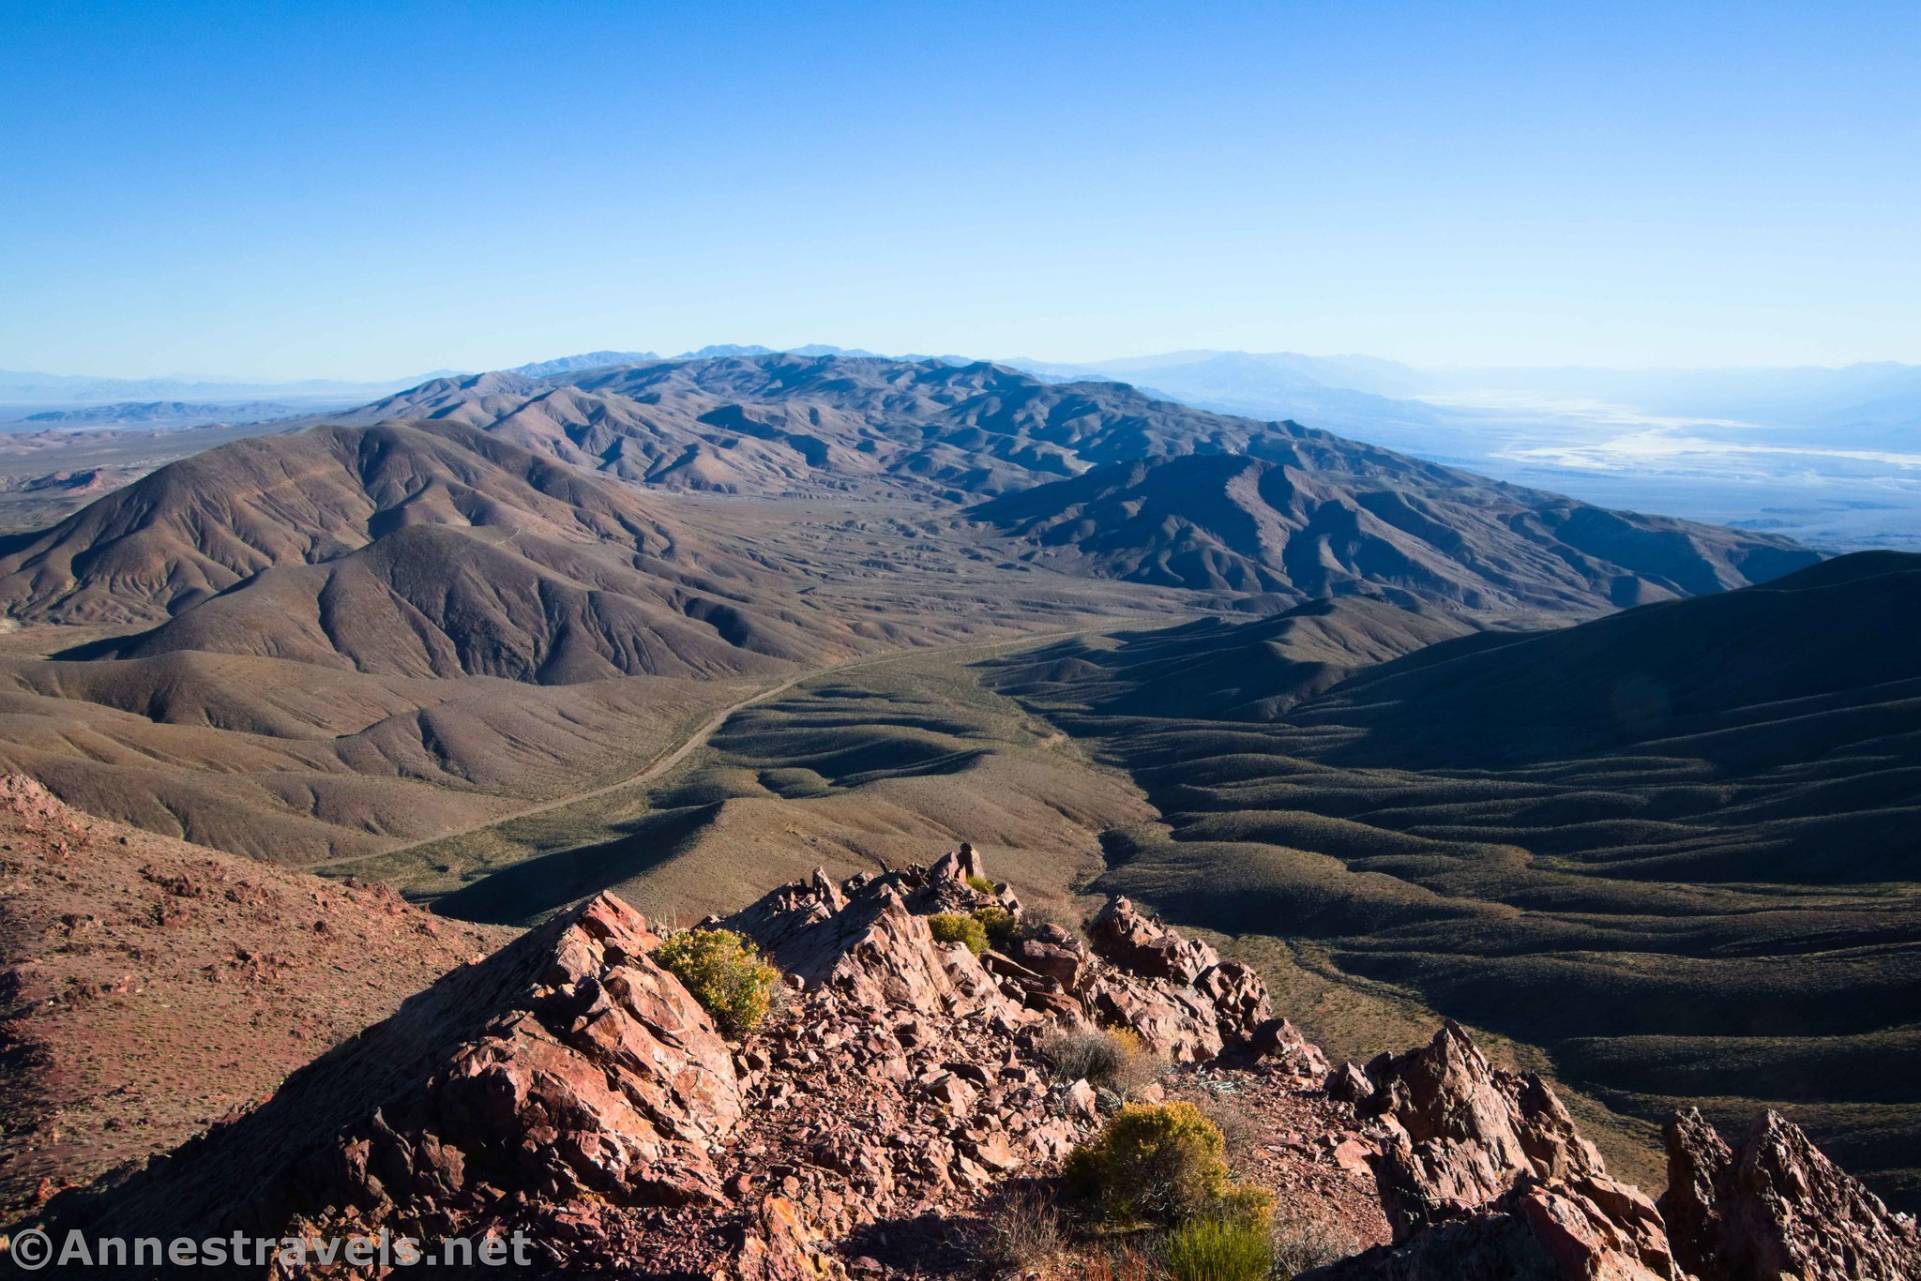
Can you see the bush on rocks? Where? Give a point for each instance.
(998, 922)
(980, 884)
(1107, 1058)
(724, 973)
(1163, 1164)
(954, 927)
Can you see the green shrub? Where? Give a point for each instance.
(953, 927)
(980, 884)
(725, 974)
(999, 924)
(1218, 1250)
(1163, 1164)
(1111, 1058)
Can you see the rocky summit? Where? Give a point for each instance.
(908, 1094)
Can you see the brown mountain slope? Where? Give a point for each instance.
(818, 426)
(406, 551)
(1099, 478)
(301, 764)
(153, 987)
(1316, 516)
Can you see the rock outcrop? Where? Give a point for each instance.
(566, 1069)
(1128, 937)
(572, 1089)
(1483, 1175)
(1775, 1206)
(1462, 1133)
(1585, 1229)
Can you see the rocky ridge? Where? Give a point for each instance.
(571, 1088)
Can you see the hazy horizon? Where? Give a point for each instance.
(362, 378)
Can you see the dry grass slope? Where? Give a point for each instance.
(1671, 846)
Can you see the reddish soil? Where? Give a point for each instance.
(153, 987)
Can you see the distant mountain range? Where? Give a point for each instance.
(1831, 457)
(167, 413)
(458, 528)
(1098, 478)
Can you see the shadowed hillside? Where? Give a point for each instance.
(1308, 514)
(1673, 846)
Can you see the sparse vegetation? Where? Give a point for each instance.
(1022, 1230)
(1239, 1131)
(1309, 1243)
(1162, 1164)
(724, 973)
(1219, 1250)
(999, 924)
(1108, 1058)
(956, 927)
(980, 884)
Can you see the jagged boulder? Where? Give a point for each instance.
(778, 1246)
(1348, 1083)
(1239, 998)
(1055, 952)
(566, 1068)
(1776, 1205)
(866, 943)
(1174, 1022)
(1279, 1045)
(1461, 1133)
(1582, 1229)
(1135, 941)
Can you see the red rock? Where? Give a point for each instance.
(1278, 1043)
(1587, 1229)
(1776, 1205)
(780, 1247)
(1175, 1022)
(1348, 1084)
(1055, 953)
(1139, 943)
(1239, 997)
(1464, 1133)
(1595, 1229)
(566, 1066)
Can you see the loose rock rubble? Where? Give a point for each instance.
(571, 1088)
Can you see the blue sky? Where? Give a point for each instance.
(372, 190)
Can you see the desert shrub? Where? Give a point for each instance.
(1308, 1244)
(1111, 1058)
(1218, 1250)
(1036, 917)
(725, 974)
(980, 884)
(1163, 1164)
(999, 924)
(1239, 1129)
(1022, 1230)
(953, 927)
